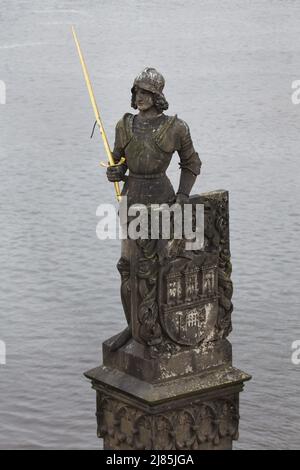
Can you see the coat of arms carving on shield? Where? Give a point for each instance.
(189, 299)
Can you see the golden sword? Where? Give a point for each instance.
(97, 114)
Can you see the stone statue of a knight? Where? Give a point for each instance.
(148, 141)
(167, 381)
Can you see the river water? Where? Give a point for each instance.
(229, 67)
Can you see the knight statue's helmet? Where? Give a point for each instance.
(151, 80)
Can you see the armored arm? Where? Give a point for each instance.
(190, 162)
(117, 173)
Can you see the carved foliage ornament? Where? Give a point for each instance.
(186, 428)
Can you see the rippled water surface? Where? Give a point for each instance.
(229, 67)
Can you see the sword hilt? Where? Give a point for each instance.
(106, 165)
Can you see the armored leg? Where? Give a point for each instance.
(124, 270)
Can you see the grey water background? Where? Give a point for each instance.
(229, 67)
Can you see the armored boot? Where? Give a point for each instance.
(123, 267)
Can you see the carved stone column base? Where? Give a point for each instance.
(171, 385)
(199, 412)
(135, 359)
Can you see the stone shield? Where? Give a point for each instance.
(188, 325)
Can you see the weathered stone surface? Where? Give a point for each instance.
(200, 412)
(212, 424)
(184, 297)
(160, 394)
(171, 383)
(136, 359)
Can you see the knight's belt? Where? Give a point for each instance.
(147, 177)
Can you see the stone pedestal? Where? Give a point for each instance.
(172, 384)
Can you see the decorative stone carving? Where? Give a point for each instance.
(194, 426)
(171, 385)
(147, 325)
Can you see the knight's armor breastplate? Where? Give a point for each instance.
(147, 162)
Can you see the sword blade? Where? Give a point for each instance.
(95, 108)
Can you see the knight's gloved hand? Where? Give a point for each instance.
(182, 198)
(115, 173)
